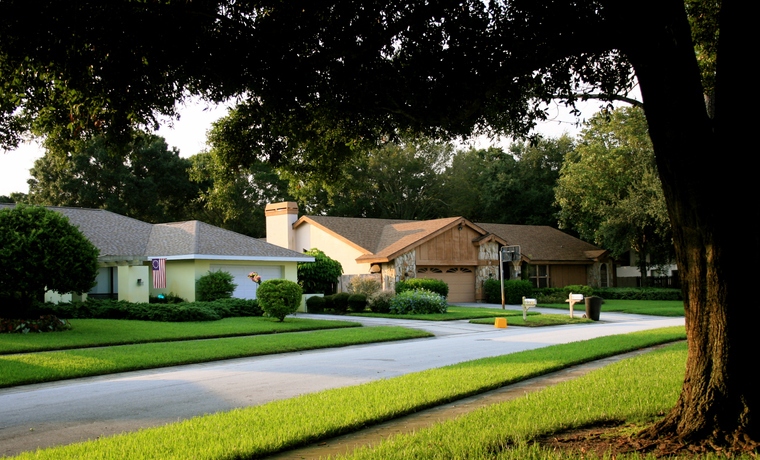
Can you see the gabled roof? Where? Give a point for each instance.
(384, 239)
(541, 243)
(199, 240)
(124, 238)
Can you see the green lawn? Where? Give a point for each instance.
(453, 313)
(100, 332)
(261, 430)
(641, 307)
(536, 320)
(25, 368)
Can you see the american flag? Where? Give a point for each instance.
(159, 273)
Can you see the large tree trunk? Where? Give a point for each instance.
(702, 176)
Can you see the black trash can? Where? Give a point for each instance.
(593, 307)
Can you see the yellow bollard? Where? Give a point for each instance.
(500, 323)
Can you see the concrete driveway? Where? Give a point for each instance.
(50, 414)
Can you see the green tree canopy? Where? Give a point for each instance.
(398, 180)
(610, 193)
(141, 178)
(513, 187)
(320, 276)
(41, 251)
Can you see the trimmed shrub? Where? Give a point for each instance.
(639, 293)
(320, 276)
(587, 291)
(549, 295)
(428, 284)
(166, 298)
(329, 302)
(315, 304)
(214, 285)
(417, 302)
(357, 303)
(279, 298)
(380, 301)
(492, 290)
(363, 285)
(340, 302)
(514, 290)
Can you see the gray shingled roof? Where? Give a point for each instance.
(121, 237)
(385, 237)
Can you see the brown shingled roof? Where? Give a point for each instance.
(541, 243)
(387, 238)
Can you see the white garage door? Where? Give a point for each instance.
(246, 289)
(461, 281)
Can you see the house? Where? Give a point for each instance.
(455, 250)
(190, 249)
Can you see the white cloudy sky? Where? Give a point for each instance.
(188, 134)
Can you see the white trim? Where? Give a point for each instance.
(248, 258)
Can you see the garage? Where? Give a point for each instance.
(461, 281)
(246, 289)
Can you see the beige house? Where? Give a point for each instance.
(190, 249)
(455, 250)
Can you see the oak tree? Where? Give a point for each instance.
(609, 192)
(337, 72)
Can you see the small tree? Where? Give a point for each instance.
(214, 285)
(320, 276)
(40, 251)
(279, 298)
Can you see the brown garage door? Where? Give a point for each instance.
(461, 281)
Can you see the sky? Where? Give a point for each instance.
(188, 134)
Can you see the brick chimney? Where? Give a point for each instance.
(280, 219)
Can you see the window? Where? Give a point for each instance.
(603, 276)
(539, 275)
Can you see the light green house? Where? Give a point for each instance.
(190, 249)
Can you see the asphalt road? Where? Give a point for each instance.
(50, 414)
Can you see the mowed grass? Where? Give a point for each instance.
(261, 430)
(536, 320)
(634, 390)
(101, 332)
(639, 307)
(453, 313)
(26, 368)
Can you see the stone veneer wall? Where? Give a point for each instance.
(402, 267)
(594, 274)
(488, 252)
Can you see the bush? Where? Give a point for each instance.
(639, 293)
(329, 302)
(549, 295)
(279, 298)
(587, 291)
(417, 302)
(214, 285)
(166, 298)
(492, 290)
(315, 304)
(357, 303)
(45, 323)
(514, 290)
(428, 284)
(340, 302)
(380, 301)
(320, 276)
(363, 285)
(40, 250)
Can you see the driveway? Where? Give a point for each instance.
(76, 410)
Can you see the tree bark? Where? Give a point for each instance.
(699, 170)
